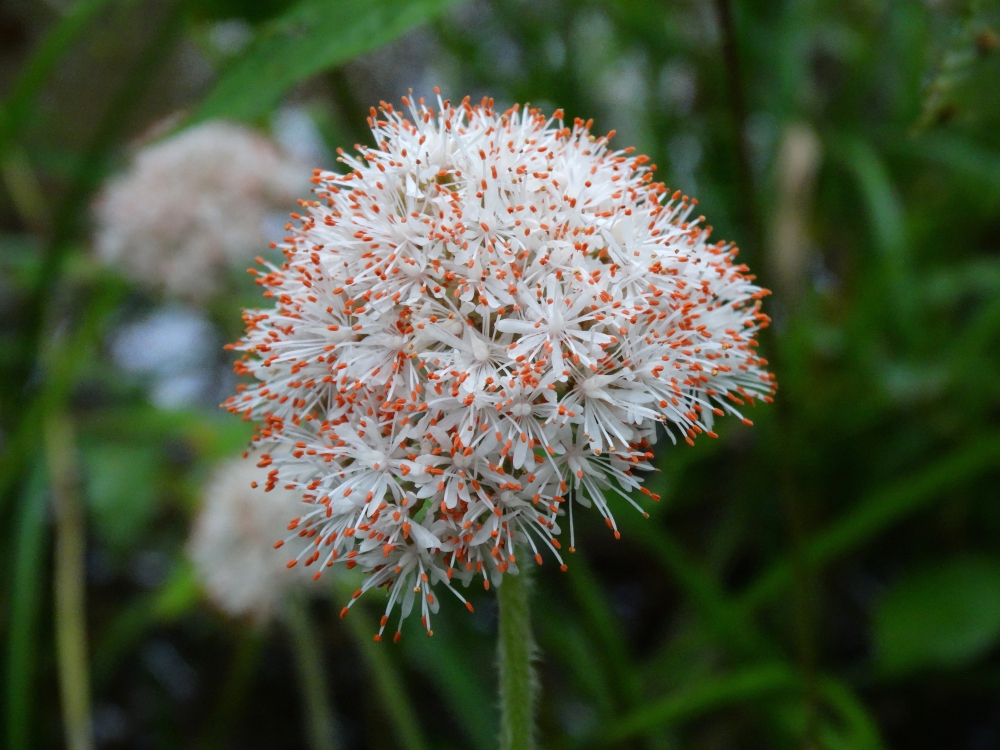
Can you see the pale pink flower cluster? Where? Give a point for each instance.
(193, 204)
(478, 329)
(231, 540)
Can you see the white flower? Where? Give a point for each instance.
(232, 542)
(478, 327)
(192, 204)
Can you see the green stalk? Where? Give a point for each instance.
(312, 680)
(70, 583)
(515, 651)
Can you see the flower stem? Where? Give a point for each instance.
(70, 583)
(309, 662)
(515, 651)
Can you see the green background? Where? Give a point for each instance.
(829, 578)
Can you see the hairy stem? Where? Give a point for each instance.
(70, 583)
(312, 680)
(517, 676)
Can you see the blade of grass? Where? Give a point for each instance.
(964, 157)
(321, 730)
(877, 512)
(388, 681)
(975, 338)
(728, 622)
(24, 189)
(574, 651)
(729, 43)
(743, 685)
(862, 730)
(448, 666)
(64, 358)
(25, 610)
(71, 209)
(597, 611)
(887, 216)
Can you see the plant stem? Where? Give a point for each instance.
(515, 651)
(70, 582)
(312, 680)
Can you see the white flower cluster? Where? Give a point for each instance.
(193, 204)
(231, 540)
(478, 328)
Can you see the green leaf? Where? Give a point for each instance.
(887, 216)
(312, 37)
(841, 719)
(564, 641)
(886, 211)
(729, 624)
(121, 490)
(19, 259)
(941, 617)
(968, 160)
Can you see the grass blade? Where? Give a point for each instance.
(388, 681)
(879, 511)
(25, 607)
(743, 685)
(321, 728)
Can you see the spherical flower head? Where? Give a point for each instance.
(479, 328)
(232, 542)
(193, 204)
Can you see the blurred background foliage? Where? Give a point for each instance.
(829, 578)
